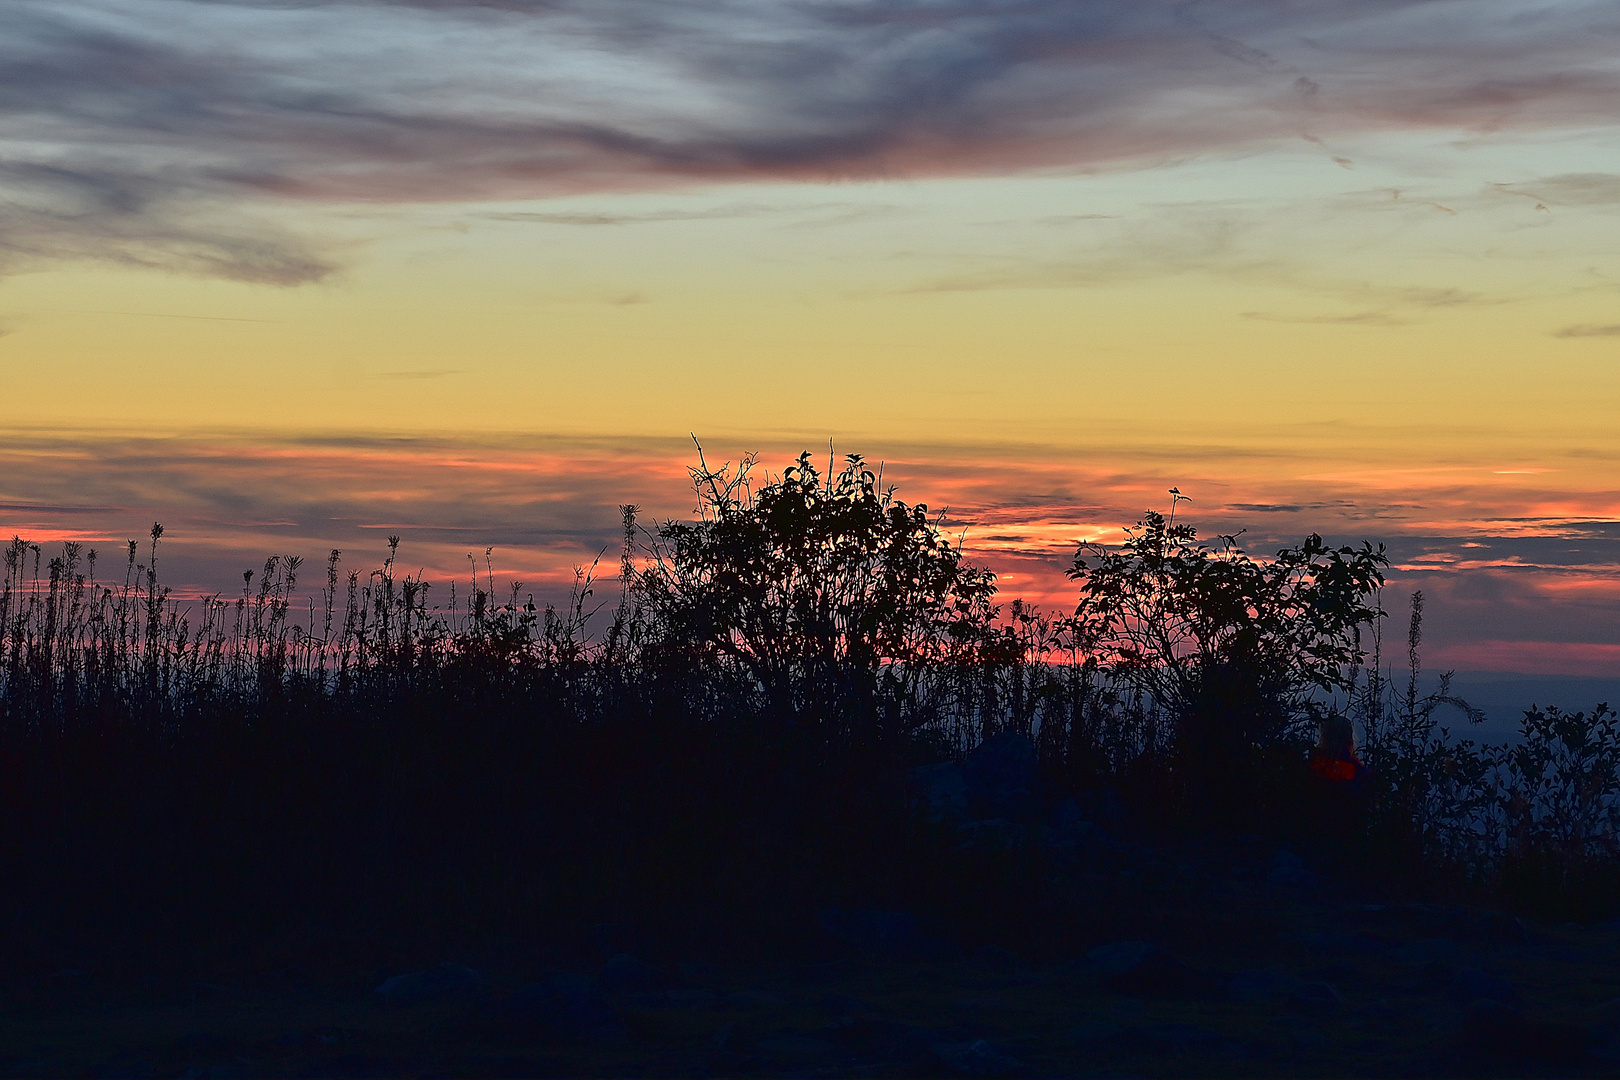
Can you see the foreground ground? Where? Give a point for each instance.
(1218, 960)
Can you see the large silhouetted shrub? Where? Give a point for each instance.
(834, 600)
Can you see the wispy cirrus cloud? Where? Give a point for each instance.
(1354, 318)
(414, 374)
(162, 132)
(1568, 189)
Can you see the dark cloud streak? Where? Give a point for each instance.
(160, 132)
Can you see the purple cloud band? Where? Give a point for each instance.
(154, 131)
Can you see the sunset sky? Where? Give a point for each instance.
(291, 275)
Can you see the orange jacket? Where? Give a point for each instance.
(1340, 770)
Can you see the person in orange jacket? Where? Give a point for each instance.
(1334, 757)
(1343, 789)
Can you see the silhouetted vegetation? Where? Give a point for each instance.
(1238, 652)
(395, 769)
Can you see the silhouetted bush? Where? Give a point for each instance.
(834, 603)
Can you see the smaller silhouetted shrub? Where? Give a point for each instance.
(1237, 651)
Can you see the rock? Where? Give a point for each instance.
(625, 972)
(1447, 922)
(1495, 1035)
(1001, 777)
(1262, 985)
(239, 1069)
(943, 791)
(435, 983)
(1360, 943)
(1379, 1011)
(976, 1058)
(1163, 976)
(992, 834)
(844, 1005)
(1603, 1024)
(124, 1070)
(794, 1045)
(1606, 1015)
(209, 1044)
(1303, 1038)
(1070, 818)
(611, 939)
(1118, 956)
(1096, 1030)
(878, 932)
(364, 1067)
(996, 959)
(1072, 834)
(1272, 985)
(873, 1040)
(1289, 870)
(1105, 805)
(1141, 969)
(691, 998)
(1316, 996)
(566, 1004)
(1181, 1038)
(1470, 985)
(751, 1000)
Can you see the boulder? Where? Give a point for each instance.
(1446, 922)
(846, 1006)
(1096, 1030)
(1334, 943)
(1469, 985)
(625, 972)
(1116, 956)
(435, 983)
(1142, 969)
(879, 932)
(1182, 1038)
(1495, 1035)
(1603, 1025)
(994, 834)
(996, 959)
(873, 930)
(1161, 975)
(1001, 777)
(1273, 985)
(564, 1004)
(943, 791)
(1290, 870)
(977, 1058)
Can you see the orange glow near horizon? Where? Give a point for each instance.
(550, 506)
